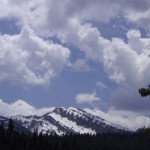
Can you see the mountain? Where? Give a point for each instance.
(17, 125)
(64, 121)
(4, 120)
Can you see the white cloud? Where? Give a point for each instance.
(28, 59)
(101, 85)
(20, 107)
(86, 98)
(81, 66)
(43, 15)
(127, 63)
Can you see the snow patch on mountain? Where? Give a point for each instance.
(71, 125)
(98, 113)
(62, 121)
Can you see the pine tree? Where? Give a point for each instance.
(11, 126)
(2, 133)
(145, 91)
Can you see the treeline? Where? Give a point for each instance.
(11, 139)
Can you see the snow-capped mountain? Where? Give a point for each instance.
(64, 121)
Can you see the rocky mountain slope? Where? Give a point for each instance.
(64, 121)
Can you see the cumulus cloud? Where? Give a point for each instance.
(86, 98)
(27, 12)
(36, 61)
(20, 107)
(28, 59)
(126, 63)
(81, 66)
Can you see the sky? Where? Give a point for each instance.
(79, 53)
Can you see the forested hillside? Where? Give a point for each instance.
(11, 139)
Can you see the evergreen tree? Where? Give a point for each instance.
(22, 141)
(10, 126)
(145, 91)
(2, 133)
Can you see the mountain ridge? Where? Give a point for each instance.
(62, 120)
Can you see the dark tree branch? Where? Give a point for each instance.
(145, 91)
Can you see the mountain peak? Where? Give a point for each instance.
(68, 120)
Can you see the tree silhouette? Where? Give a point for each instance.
(144, 91)
(21, 141)
(10, 125)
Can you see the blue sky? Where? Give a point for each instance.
(79, 53)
